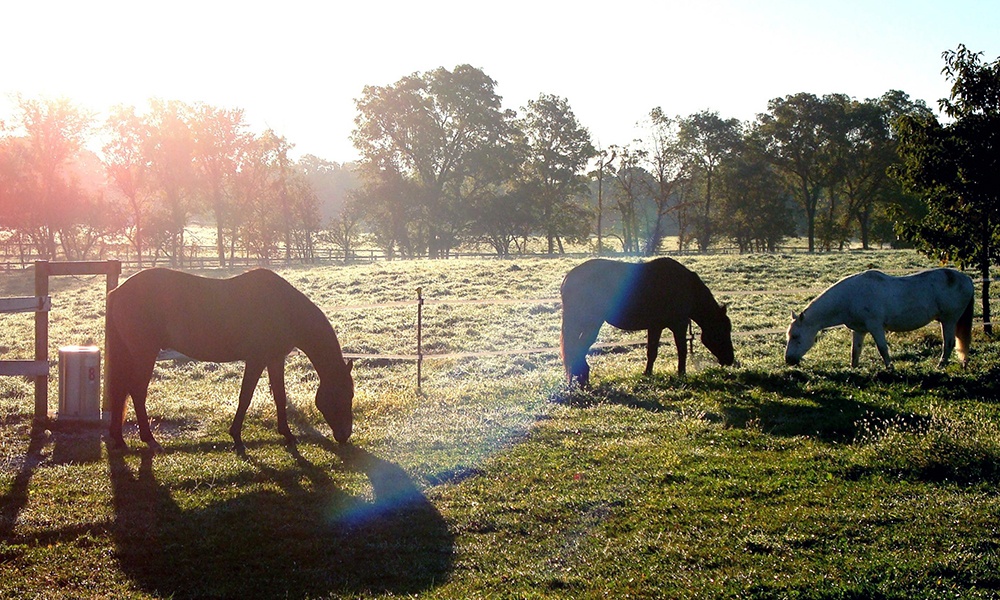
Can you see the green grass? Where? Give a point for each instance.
(494, 480)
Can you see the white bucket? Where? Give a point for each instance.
(80, 383)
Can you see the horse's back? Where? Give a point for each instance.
(629, 295)
(208, 319)
(905, 302)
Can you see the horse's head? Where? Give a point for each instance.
(717, 336)
(335, 398)
(800, 338)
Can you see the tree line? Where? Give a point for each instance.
(152, 174)
(444, 166)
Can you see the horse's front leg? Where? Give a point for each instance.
(577, 338)
(251, 375)
(652, 347)
(680, 340)
(857, 343)
(276, 379)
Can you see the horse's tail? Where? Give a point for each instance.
(118, 367)
(562, 349)
(963, 332)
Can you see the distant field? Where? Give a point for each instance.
(492, 480)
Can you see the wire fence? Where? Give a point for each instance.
(419, 356)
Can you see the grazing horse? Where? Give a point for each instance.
(656, 295)
(256, 317)
(873, 302)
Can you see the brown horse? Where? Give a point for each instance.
(656, 295)
(256, 317)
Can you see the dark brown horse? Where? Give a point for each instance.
(256, 317)
(656, 295)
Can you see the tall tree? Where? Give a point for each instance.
(956, 168)
(707, 139)
(169, 151)
(218, 136)
(754, 200)
(129, 171)
(558, 148)
(666, 164)
(628, 194)
(870, 146)
(798, 131)
(439, 130)
(53, 132)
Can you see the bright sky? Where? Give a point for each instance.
(297, 66)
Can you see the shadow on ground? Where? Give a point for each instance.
(308, 539)
(824, 404)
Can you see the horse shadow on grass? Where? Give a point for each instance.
(828, 405)
(298, 535)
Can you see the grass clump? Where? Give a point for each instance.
(937, 447)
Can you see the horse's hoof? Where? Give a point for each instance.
(155, 447)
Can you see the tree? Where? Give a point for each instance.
(557, 149)
(333, 183)
(47, 197)
(628, 194)
(798, 130)
(706, 140)
(956, 168)
(218, 135)
(505, 220)
(667, 166)
(169, 152)
(345, 226)
(604, 161)
(754, 201)
(129, 172)
(441, 130)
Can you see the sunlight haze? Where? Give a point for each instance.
(297, 67)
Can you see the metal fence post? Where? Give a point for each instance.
(420, 319)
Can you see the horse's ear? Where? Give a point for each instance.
(724, 307)
(795, 317)
(350, 364)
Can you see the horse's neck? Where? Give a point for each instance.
(826, 310)
(317, 339)
(705, 307)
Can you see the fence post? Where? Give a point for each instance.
(111, 282)
(41, 349)
(420, 324)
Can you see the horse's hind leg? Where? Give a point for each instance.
(139, 389)
(948, 344)
(251, 375)
(878, 334)
(119, 372)
(652, 348)
(680, 340)
(276, 380)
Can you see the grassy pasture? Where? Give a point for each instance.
(494, 481)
